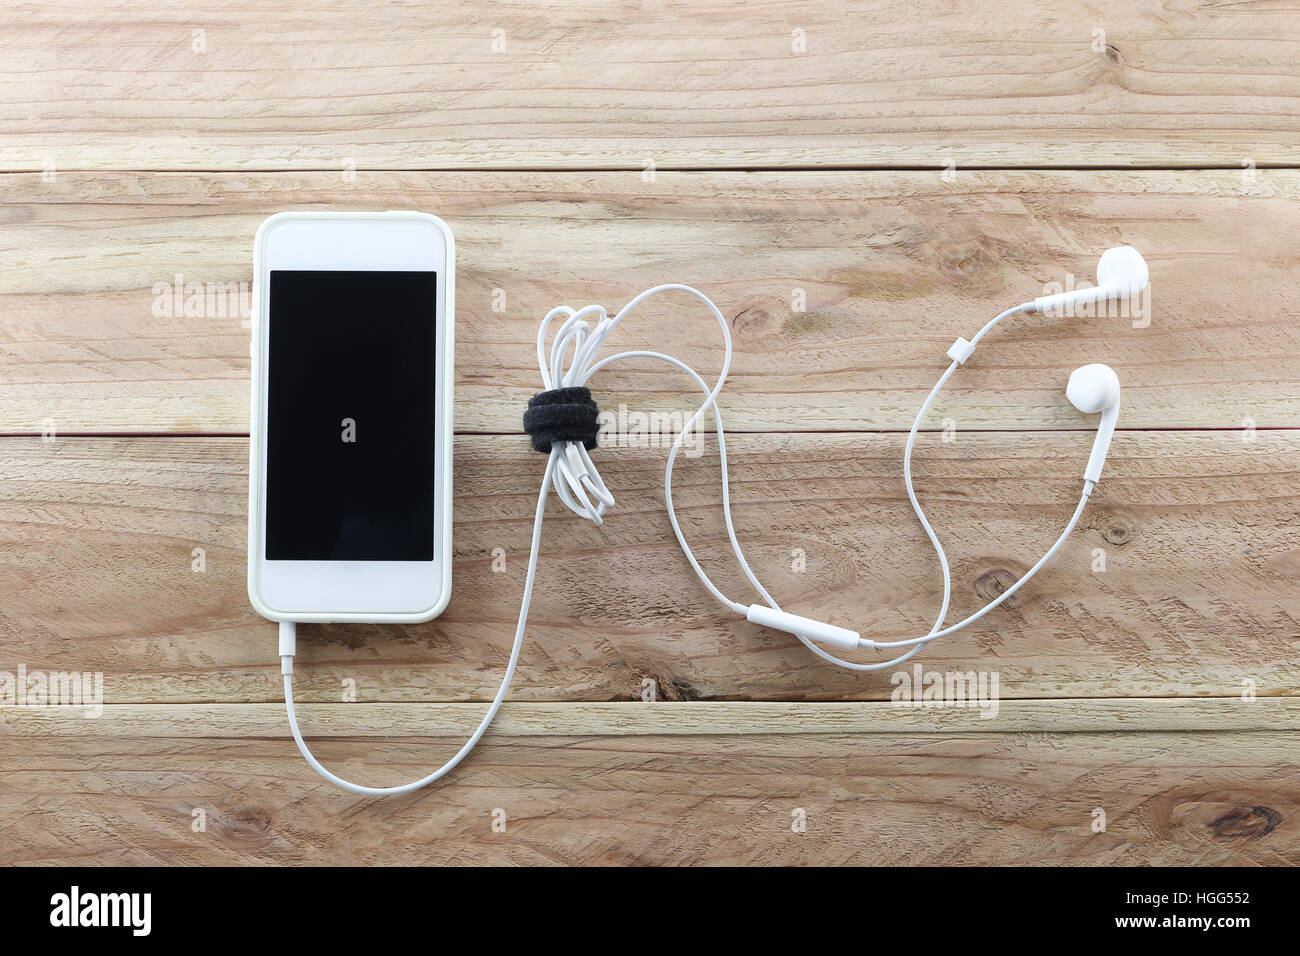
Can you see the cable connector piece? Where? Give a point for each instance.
(288, 646)
(961, 350)
(818, 631)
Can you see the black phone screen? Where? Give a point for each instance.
(351, 416)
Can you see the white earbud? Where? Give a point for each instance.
(1122, 273)
(1093, 389)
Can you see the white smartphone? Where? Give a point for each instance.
(349, 505)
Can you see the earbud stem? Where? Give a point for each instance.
(1101, 445)
(1075, 297)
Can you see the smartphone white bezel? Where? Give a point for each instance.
(357, 591)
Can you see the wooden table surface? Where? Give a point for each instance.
(856, 184)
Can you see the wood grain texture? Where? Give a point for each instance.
(660, 718)
(1168, 798)
(596, 85)
(1198, 529)
(596, 150)
(892, 267)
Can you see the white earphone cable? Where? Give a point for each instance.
(288, 639)
(572, 473)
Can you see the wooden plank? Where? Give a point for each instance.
(247, 85)
(663, 718)
(1167, 798)
(1198, 531)
(891, 267)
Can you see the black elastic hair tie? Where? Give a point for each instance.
(560, 415)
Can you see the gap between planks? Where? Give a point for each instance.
(676, 168)
(634, 718)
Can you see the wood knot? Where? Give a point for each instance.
(1117, 531)
(991, 585)
(761, 320)
(656, 687)
(1113, 56)
(245, 824)
(1116, 527)
(1246, 822)
(967, 257)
